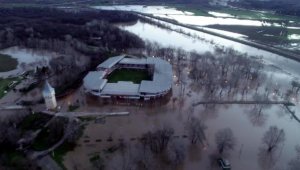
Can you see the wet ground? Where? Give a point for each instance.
(28, 59)
(248, 129)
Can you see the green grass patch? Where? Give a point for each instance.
(97, 161)
(34, 121)
(49, 135)
(4, 85)
(7, 63)
(236, 12)
(135, 76)
(41, 142)
(72, 108)
(14, 157)
(15, 160)
(59, 153)
(196, 10)
(259, 15)
(267, 35)
(294, 31)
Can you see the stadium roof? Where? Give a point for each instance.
(121, 88)
(109, 63)
(94, 80)
(161, 82)
(162, 77)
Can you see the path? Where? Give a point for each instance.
(86, 114)
(69, 129)
(48, 163)
(293, 113)
(286, 103)
(12, 107)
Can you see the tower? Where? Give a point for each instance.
(49, 96)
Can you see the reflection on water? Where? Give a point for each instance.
(170, 38)
(188, 17)
(27, 58)
(249, 123)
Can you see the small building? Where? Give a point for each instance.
(49, 96)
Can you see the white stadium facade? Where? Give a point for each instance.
(96, 82)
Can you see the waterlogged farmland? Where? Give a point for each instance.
(272, 29)
(206, 69)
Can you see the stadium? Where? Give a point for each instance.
(129, 77)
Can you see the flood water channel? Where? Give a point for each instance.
(248, 128)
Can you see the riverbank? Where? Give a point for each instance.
(274, 50)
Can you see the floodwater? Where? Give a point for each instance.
(207, 43)
(160, 10)
(219, 14)
(27, 59)
(294, 37)
(189, 17)
(141, 120)
(248, 129)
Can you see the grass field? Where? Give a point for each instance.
(61, 151)
(4, 85)
(196, 11)
(34, 121)
(136, 76)
(7, 63)
(236, 12)
(294, 31)
(267, 35)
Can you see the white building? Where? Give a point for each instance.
(96, 82)
(49, 96)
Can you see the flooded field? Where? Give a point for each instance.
(218, 18)
(188, 17)
(208, 42)
(27, 59)
(240, 118)
(248, 122)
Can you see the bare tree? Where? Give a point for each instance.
(145, 158)
(273, 138)
(175, 153)
(97, 162)
(74, 131)
(266, 160)
(257, 116)
(295, 163)
(225, 140)
(158, 140)
(196, 129)
(295, 85)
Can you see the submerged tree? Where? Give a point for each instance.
(158, 141)
(257, 115)
(225, 140)
(175, 153)
(295, 163)
(273, 138)
(295, 85)
(196, 129)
